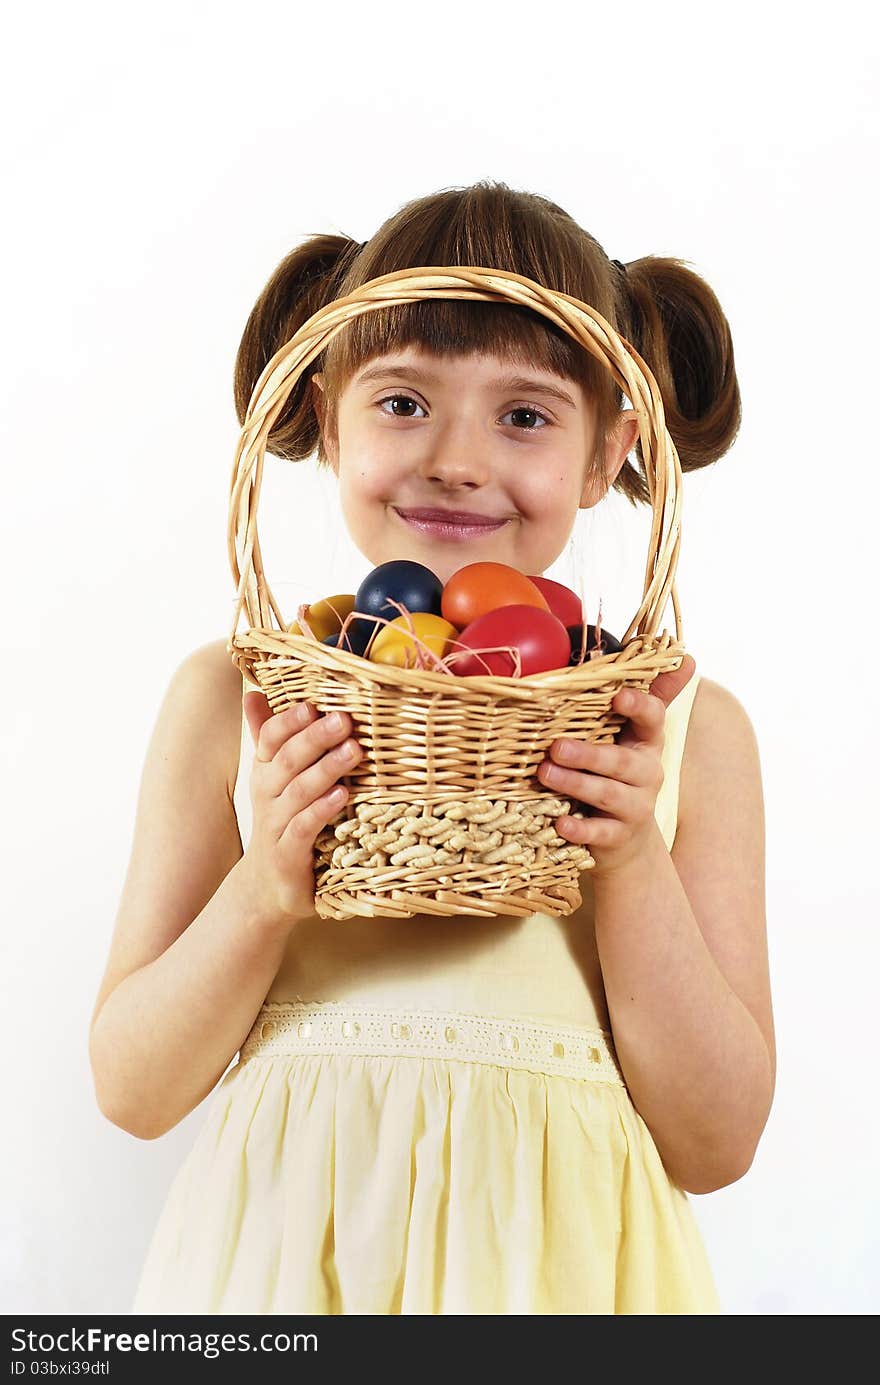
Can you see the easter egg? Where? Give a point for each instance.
(326, 617)
(355, 638)
(412, 584)
(394, 644)
(542, 641)
(561, 600)
(609, 645)
(478, 588)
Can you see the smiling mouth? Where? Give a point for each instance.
(450, 528)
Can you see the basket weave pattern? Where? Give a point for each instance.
(445, 813)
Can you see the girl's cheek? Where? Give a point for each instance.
(373, 475)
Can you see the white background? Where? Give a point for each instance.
(158, 164)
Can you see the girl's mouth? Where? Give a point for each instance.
(453, 529)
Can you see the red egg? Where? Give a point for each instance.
(478, 588)
(542, 641)
(561, 600)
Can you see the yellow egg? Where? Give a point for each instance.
(395, 645)
(326, 617)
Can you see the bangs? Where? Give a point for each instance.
(491, 226)
(459, 328)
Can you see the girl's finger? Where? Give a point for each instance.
(257, 711)
(594, 832)
(617, 762)
(270, 730)
(645, 713)
(619, 800)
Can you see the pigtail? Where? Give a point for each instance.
(678, 326)
(303, 282)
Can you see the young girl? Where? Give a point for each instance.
(451, 1115)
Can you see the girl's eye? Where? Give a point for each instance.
(393, 398)
(533, 413)
(520, 409)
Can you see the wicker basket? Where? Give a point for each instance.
(445, 814)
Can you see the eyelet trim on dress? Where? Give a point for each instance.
(285, 1029)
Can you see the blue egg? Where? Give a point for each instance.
(412, 584)
(355, 639)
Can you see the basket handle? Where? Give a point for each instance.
(578, 319)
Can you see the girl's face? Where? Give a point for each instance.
(474, 435)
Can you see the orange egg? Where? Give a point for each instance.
(478, 588)
(326, 617)
(395, 645)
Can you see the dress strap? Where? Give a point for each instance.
(241, 798)
(677, 720)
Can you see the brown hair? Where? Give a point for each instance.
(664, 309)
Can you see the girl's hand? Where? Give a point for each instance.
(621, 781)
(299, 757)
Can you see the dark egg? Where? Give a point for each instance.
(411, 584)
(355, 639)
(607, 642)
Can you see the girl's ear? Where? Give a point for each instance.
(316, 385)
(618, 445)
(327, 436)
(621, 442)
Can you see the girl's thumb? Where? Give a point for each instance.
(667, 686)
(257, 710)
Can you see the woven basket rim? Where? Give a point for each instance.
(626, 666)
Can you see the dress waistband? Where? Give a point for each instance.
(289, 1028)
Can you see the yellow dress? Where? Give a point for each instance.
(428, 1117)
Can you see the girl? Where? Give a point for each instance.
(433, 1115)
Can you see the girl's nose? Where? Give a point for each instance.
(457, 459)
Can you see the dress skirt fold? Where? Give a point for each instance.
(381, 1162)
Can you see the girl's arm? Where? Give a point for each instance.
(681, 938)
(193, 954)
